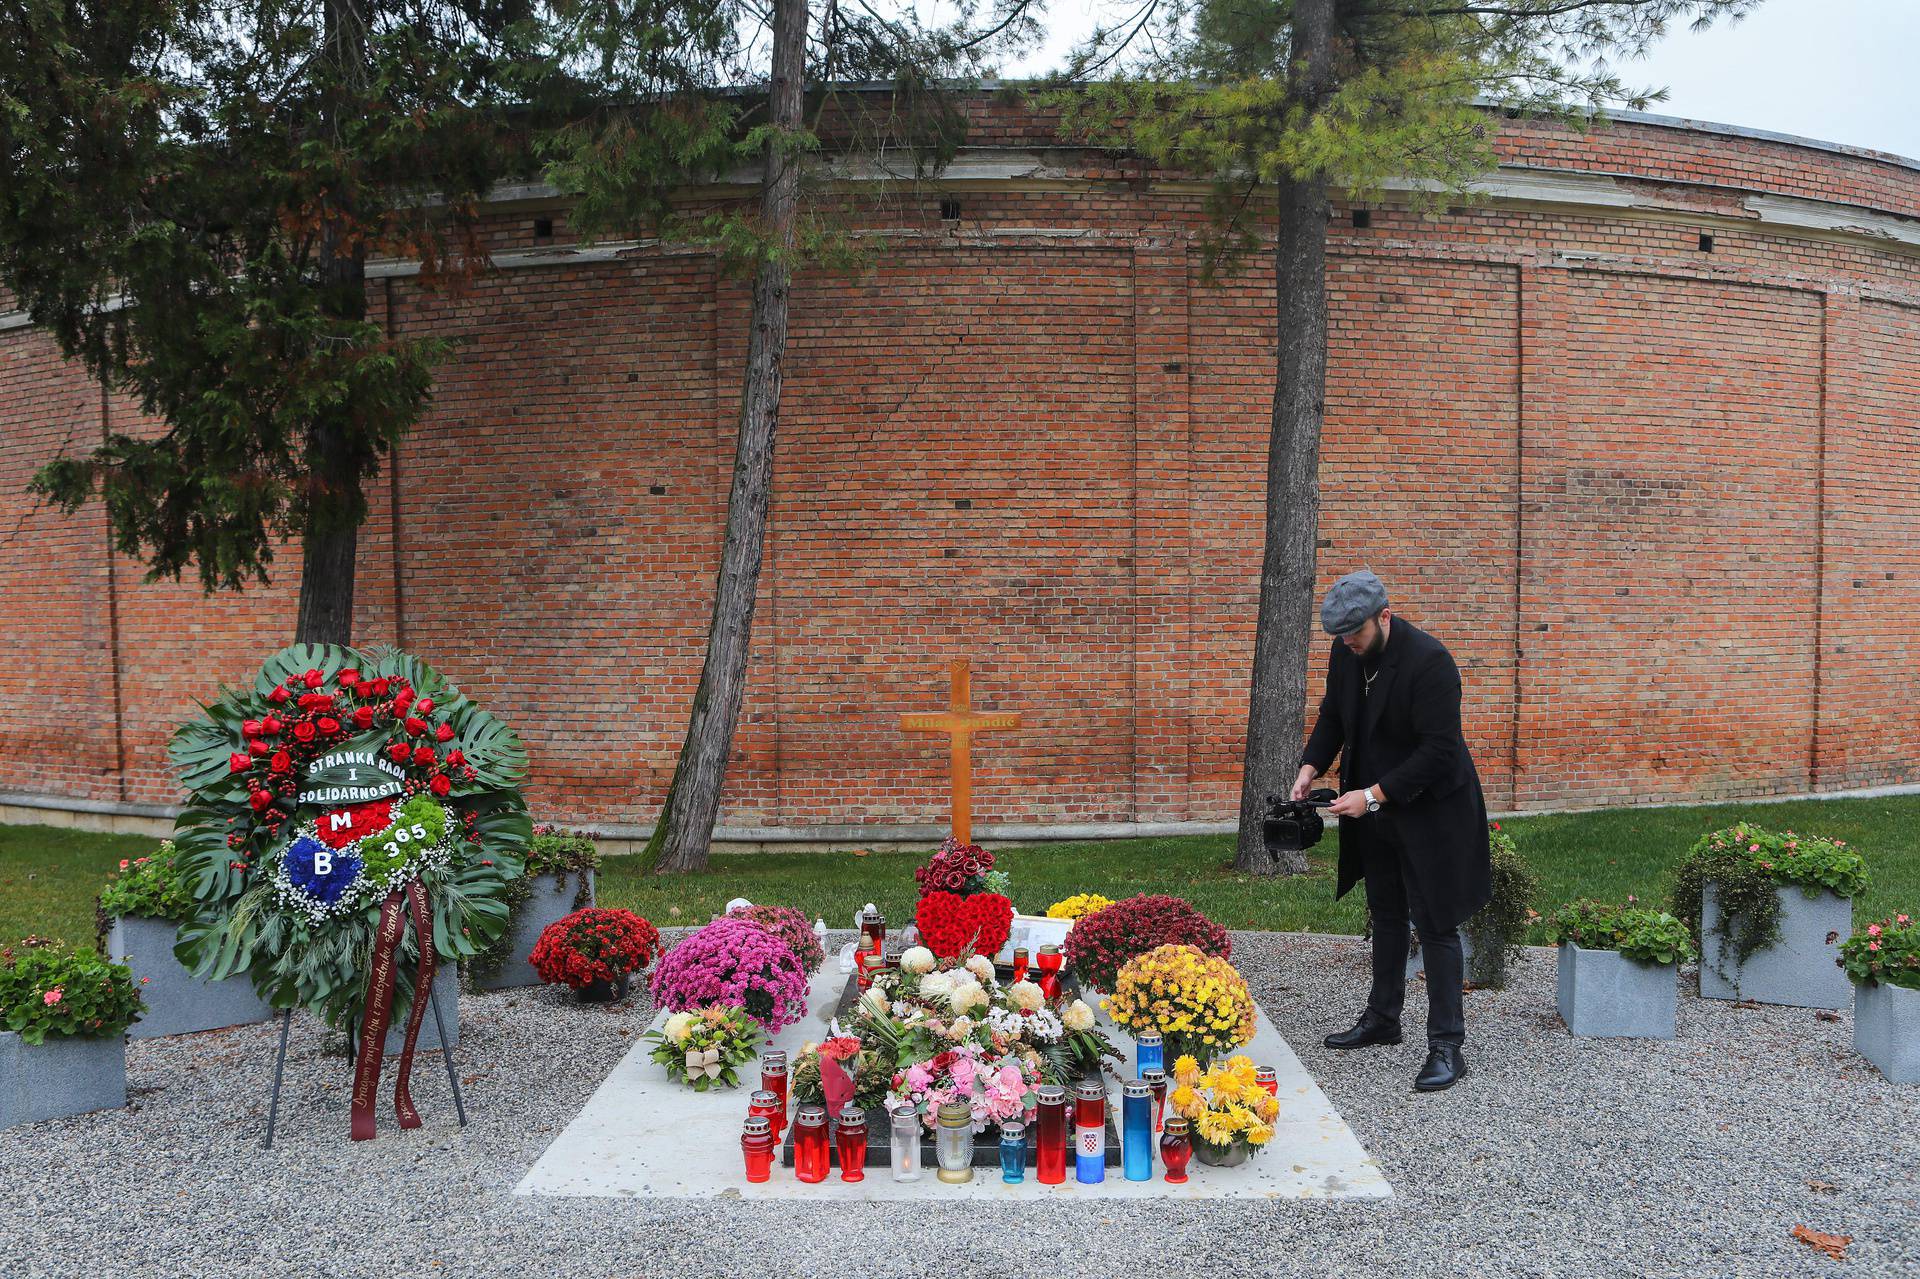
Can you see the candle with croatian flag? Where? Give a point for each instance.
(1089, 1132)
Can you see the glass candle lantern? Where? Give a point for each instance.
(875, 928)
(1089, 1132)
(1156, 1079)
(766, 1104)
(906, 1145)
(1013, 1152)
(810, 1156)
(1176, 1148)
(953, 1142)
(773, 1078)
(1268, 1078)
(1149, 1054)
(1136, 1130)
(1050, 1136)
(1050, 962)
(851, 1141)
(1019, 963)
(757, 1144)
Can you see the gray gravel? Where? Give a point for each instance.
(1555, 1157)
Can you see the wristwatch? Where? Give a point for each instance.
(1373, 805)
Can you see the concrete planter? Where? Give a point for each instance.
(1886, 1030)
(1800, 970)
(550, 898)
(178, 1003)
(1605, 995)
(63, 1076)
(446, 982)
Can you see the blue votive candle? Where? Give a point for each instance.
(1148, 1055)
(1136, 1130)
(1013, 1152)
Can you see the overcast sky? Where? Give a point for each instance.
(1837, 70)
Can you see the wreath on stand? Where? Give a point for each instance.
(346, 794)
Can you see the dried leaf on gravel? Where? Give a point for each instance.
(1822, 1187)
(1826, 1014)
(1834, 1246)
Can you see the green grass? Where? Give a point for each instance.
(48, 876)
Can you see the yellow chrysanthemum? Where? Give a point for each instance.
(1078, 905)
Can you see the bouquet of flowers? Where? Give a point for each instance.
(149, 887)
(595, 950)
(703, 1048)
(962, 910)
(734, 961)
(1232, 1115)
(998, 1086)
(1104, 940)
(840, 1070)
(1196, 1001)
(1077, 905)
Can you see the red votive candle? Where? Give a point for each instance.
(1050, 962)
(773, 1079)
(1019, 963)
(1050, 1140)
(757, 1144)
(1268, 1078)
(852, 1141)
(810, 1155)
(1176, 1148)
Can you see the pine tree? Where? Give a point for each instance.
(193, 191)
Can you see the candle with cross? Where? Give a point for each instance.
(961, 722)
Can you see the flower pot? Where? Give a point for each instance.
(1886, 1030)
(1605, 995)
(446, 984)
(65, 1075)
(1222, 1156)
(602, 991)
(1800, 970)
(178, 1003)
(549, 898)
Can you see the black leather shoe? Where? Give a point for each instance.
(1372, 1028)
(1445, 1067)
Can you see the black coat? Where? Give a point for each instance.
(1418, 756)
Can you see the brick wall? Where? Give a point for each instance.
(1660, 503)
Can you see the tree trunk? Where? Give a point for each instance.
(1276, 705)
(685, 829)
(331, 530)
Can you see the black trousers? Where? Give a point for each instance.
(1395, 906)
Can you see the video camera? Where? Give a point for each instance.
(1292, 825)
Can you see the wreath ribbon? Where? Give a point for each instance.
(703, 1063)
(379, 1009)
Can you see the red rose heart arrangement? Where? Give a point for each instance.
(951, 924)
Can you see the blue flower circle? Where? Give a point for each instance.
(327, 888)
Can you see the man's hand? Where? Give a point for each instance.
(1303, 784)
(1351, 804)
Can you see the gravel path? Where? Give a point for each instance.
(1555, 1157)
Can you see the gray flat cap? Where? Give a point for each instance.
(1351, 601)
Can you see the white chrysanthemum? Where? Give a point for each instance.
(918, 959)
(981, 967)
(1079, 1016)
(968, 994)
(1026, 996)
(936, 986)
(678, 1025)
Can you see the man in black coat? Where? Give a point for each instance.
(1413, 822)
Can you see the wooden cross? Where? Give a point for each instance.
(962, 722)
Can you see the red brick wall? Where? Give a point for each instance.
(1659, 503)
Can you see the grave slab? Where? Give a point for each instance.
(643, 1135)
